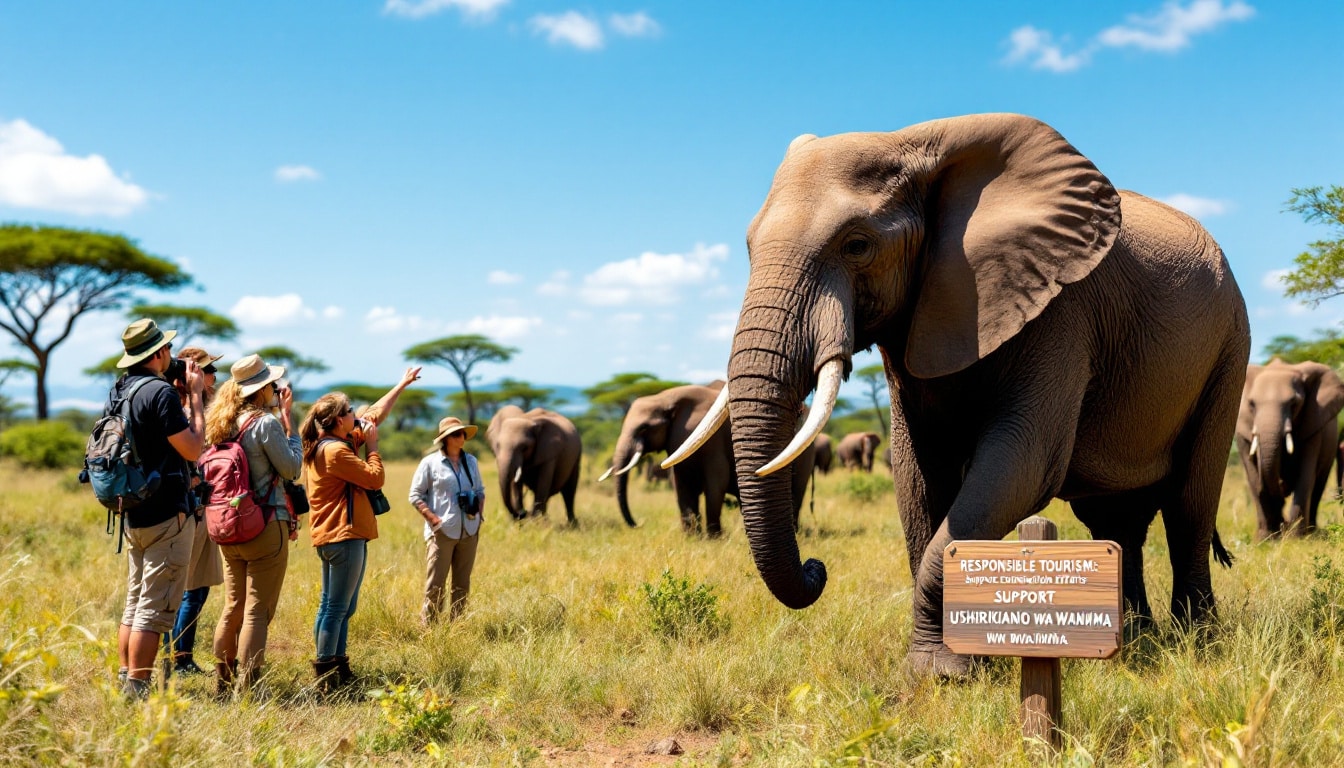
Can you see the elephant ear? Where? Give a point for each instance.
(1245, 422)
(1324, 398)
(1013, 213)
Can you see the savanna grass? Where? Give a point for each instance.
(558, 659)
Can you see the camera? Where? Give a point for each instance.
(466, 501)
(177, 371)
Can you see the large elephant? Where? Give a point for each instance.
(1036, 345)
(1286, 436)
(856, 450)
(825, 453)
(539, 450)
(662, 422)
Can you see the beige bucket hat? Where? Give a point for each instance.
(252, 373)
(198, 356)
(142, 339)
(453, 424)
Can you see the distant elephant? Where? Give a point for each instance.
(856, 450)
(1287, 440)
(1037, 344)
(662, 422)
(825, 453)
(539, 450)
(654, 472)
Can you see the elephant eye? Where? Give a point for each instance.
(856, 246)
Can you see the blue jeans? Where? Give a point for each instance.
(342, 574)
(183, 637)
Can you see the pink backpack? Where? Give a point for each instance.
(232, 512)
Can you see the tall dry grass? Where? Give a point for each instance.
(559, 659)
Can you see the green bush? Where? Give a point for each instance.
(46, 444)
(865, 487)
(676, 609)
(406, 444)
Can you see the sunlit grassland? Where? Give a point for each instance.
(557, 661)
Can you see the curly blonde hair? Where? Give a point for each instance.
(221, 418)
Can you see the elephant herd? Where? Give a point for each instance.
(1044, 335)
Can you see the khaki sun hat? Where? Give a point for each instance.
(198, 356)
(453, 424)
(252, 373)
(141, 340)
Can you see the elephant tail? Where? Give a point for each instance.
(1220, 552)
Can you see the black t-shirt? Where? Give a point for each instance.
(156, 413)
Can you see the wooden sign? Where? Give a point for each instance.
(1043, 599)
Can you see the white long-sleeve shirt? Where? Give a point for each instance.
(436, 482)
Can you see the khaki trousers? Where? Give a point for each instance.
(254, 572)
(443, 554)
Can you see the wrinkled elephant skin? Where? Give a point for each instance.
(539, 450)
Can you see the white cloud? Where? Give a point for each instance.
(333, 312)
(627, 318)
(497, 327)
(419, 9)
(1171, 28)
(721, 326)
(388, 320)
(1039, 47)
(500, 277)
(269, 311)
(1168, 30)
(291, 173)
(568, 28)
(634, 24)
(652, 278)
(1199, 207)
(1273, 279)
(36, 172)
(557, 285)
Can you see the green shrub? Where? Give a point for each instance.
(47, 444)
(1326, 598)
(676, 609)
(864, 487)
(416, 719)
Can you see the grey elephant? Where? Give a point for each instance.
(856, 450)
(662, 422)
(1287, 440)
(539, 450)
(1043, 336)
(825, 453)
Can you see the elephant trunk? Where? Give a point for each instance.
(1271, 435)
(625, 450)
(510, 487)
(792, 322)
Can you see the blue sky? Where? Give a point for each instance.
(575, 180)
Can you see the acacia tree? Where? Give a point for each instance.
(8, 368)
(610, 399)
(875, 378)
(413, 406)
(1319, 274)
(189, 322)
(461, 354)
(296, 366)
(51, 276)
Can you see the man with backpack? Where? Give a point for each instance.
(159, 530)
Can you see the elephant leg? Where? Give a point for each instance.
(1191, 517)
(1009, 480)
(544, 489)
(1269, 514)
(713, 509)
(1302, 509)
(1124, 519)
(688, 498)
(570, 488)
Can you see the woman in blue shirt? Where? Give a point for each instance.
(448, 492)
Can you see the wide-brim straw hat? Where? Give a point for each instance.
(453, 424)
(252, 373)
(198, 356)
(141, 340)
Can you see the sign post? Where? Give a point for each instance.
(1037, 598)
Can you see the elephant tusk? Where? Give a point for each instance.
(1255, 444)
(518, 475)
(717, 415)
(828, 386)
(1288, 443)
(607, 474)
(632, 463)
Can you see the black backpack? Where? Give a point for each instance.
(112, 465)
